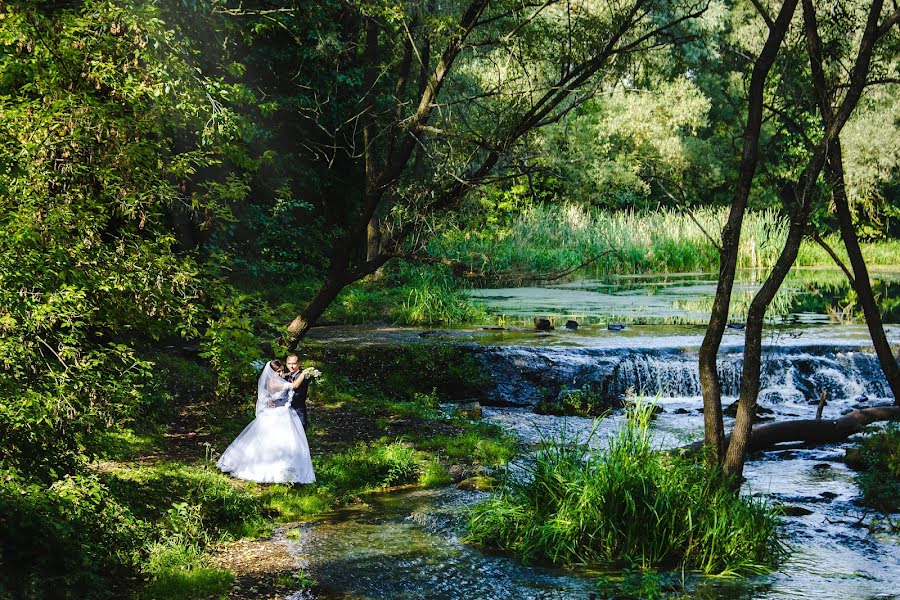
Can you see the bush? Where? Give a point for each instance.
(68, 540)
(878, 457)
(627, 505)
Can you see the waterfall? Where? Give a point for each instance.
(798, 375)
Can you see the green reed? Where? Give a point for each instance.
(549, 237)
(627, 505)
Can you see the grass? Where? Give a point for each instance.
(406, 294)
(188, 583)
(627, 506)
(551, 237)
(482, 444)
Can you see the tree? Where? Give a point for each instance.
(714, 427)
(799, 202)
(444, 101)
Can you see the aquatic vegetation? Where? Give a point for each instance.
(548, 237)
(627, 505)
(586, 401)
(877, 457)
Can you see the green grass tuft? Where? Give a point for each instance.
(627, 505)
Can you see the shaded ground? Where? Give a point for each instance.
(196, 431)
(263, 569)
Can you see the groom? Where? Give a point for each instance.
(298, 396)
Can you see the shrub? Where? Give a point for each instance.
(71, 539)
(878, 458)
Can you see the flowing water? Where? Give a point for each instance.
(408, 544)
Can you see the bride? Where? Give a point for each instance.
(272, 448)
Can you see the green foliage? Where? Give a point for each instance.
(107, 126)
(69, 540)
(369, 466)
(407, 296)
(435, 298)
(553, 237)
(193, 582)
(482, 445)
(585, 401)
(177, 563)
(635, 583)
(360, 469)
(434, 474)
(877, 457)
(447, 371)
(627, 505)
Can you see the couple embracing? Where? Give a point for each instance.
(273, 448)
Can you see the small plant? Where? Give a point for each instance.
(877, 457)
(586, 401)
(435, 475)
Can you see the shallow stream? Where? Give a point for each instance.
(408, 544)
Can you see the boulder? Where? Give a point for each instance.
(469, 410)
(542, 324)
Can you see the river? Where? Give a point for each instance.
(408, 544)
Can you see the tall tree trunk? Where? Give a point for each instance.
(373, 227)
(731, 234)
(750, 376)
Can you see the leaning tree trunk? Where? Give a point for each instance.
(835, 166)
(861, 283)
(714, 427)
(750, 376)
(307, 317)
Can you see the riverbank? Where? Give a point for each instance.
(167, 524)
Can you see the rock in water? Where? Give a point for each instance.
(542, 324)
(570, 324)
(469, 410)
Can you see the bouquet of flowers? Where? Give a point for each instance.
(314, 373)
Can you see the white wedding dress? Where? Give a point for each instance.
(272, 448)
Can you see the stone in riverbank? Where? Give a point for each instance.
(469, 410)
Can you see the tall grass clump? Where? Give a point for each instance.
(548, 237)
(627, 505)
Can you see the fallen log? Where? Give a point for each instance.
(812, 431)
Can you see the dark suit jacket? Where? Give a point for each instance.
(298, 399)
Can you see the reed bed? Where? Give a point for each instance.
(549, 237)
(627, 506)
